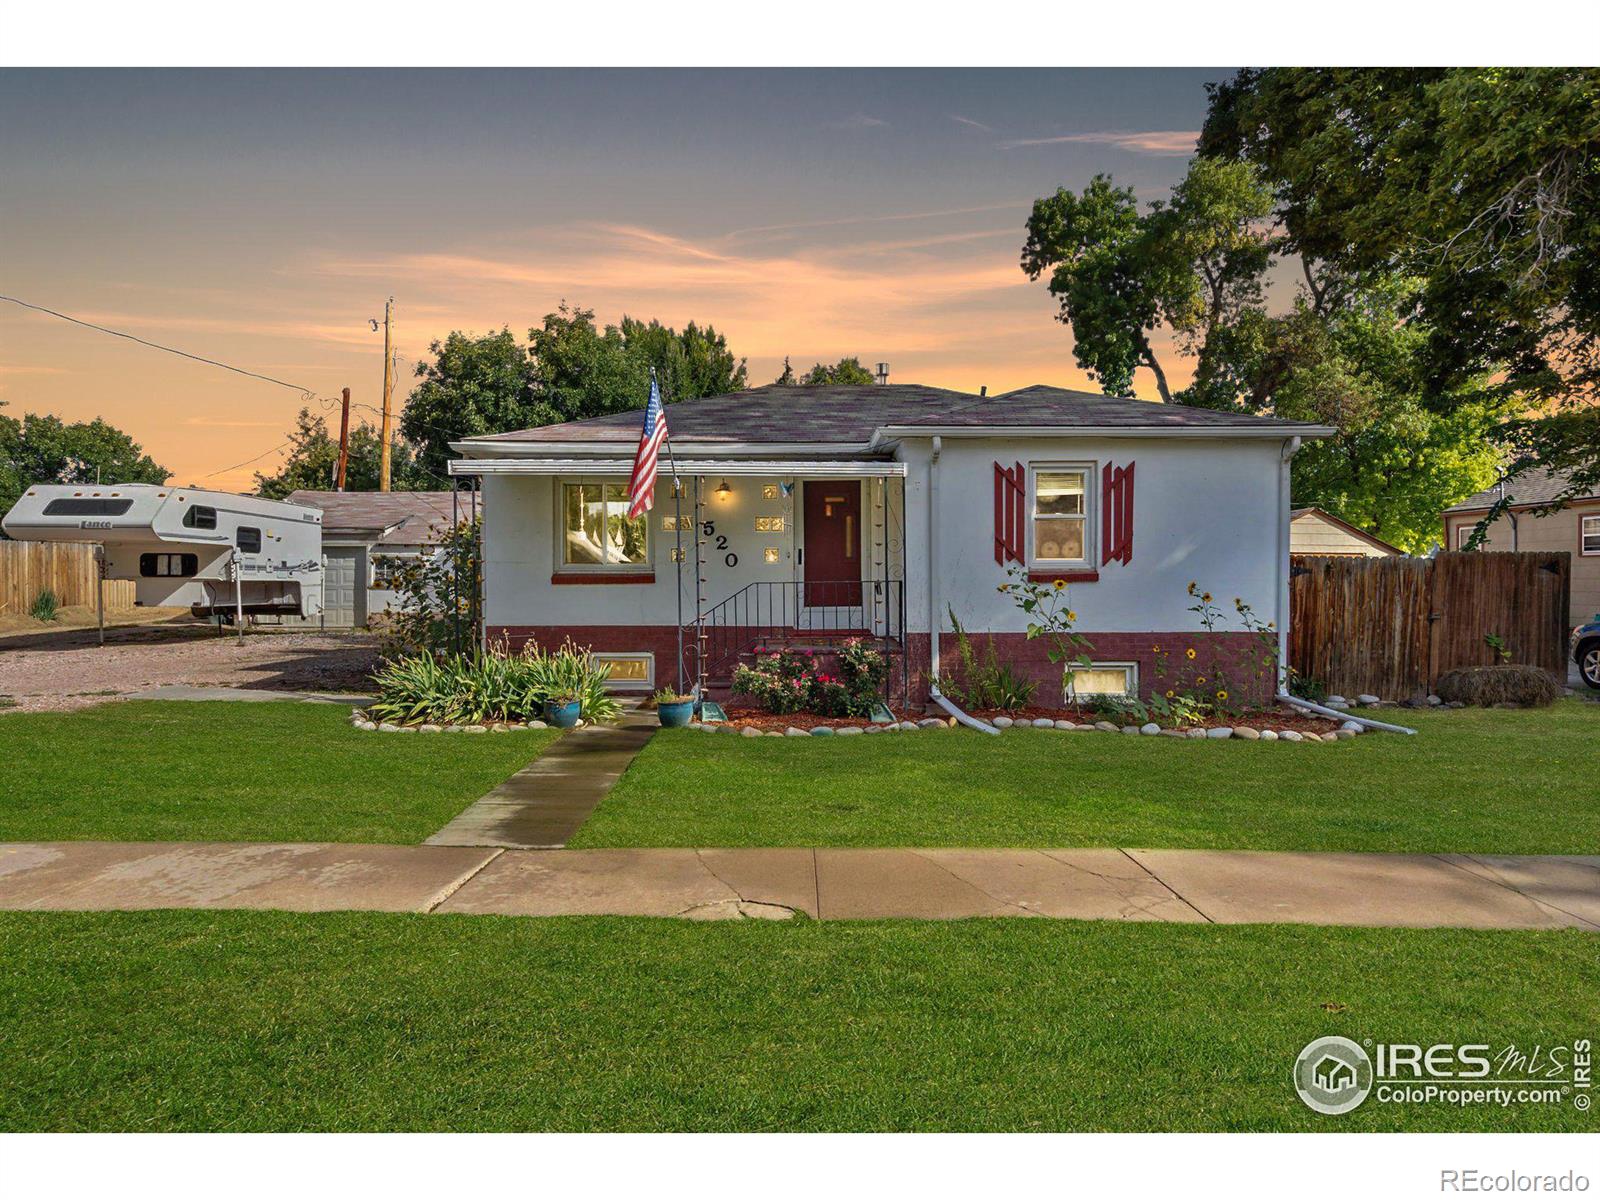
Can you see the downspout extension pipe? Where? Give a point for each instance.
(1367, 722)
(970, 722)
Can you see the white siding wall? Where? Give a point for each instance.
(1205, 510)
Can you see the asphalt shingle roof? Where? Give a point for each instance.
(1537, 486)
(418, 518)
(852, 414)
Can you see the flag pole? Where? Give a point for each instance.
(677, 527)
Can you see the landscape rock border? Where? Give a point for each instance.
(362, 720)
(1346, 732)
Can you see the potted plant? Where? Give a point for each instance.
(562, 710)
(673, 709)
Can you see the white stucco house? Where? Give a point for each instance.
(808, 514)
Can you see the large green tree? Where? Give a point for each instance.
(1193, 264)
(845, 372)
(1481, 183)
(40, 448)
(472, 386)
(314, 458)
(570, 369)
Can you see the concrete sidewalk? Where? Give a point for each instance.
(1226, 887)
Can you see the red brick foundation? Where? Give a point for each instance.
(1238, 654)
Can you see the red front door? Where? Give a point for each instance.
(833, 543)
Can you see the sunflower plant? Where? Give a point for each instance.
(1050, 616)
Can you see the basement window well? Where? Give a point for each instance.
(630, 672)
(1104, 679)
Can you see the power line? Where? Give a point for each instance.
(158, 346)
(248, 461)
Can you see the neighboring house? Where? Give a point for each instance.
(1313, 531)
(821, 512)
(1575, 528)
(362, 532)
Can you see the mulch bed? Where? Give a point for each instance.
(756, 718)
(1279, 717)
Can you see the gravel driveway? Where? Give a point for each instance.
(67, 669)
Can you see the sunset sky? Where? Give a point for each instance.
(262, 217)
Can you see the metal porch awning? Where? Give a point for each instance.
(623, 467)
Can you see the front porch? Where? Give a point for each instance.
(737, 556)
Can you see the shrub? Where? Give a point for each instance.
(491, 685)
(435, 607)
(1503, 684)
(788, 681)
(45, 606)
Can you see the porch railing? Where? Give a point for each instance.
(777, 610)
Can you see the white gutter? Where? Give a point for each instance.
(489, 448)
(1368, 722)
(1278, 430)
(798, 468)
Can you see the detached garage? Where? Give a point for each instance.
(360, 531)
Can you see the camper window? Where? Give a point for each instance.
(163, 566)
(248, 540)
(201, 516)
(86, 508)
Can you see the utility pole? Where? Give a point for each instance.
(344, 443)
(388, 393)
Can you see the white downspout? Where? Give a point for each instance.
(1291, 447)
(933, 561)
(934, 621)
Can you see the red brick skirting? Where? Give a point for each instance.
(1236, 653)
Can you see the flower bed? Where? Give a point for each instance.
(1279, 717)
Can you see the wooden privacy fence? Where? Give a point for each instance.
(65, 568)
(1392, 626)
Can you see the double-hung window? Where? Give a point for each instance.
(1590, 540)
(1059, 515)
(596, 532)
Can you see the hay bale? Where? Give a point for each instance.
(1508, 684)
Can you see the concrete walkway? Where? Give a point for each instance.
(1192, 886)
(542, 805)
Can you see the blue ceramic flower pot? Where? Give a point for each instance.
(562, 716)
(675, 715)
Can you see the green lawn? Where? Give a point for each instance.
(238, 771)
(1512, 782)
(256, 1021)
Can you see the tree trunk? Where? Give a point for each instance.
(1161, 376)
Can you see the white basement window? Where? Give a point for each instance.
(629, 672)
(1591, 535)
(1059, 514)
(1104, 679)
(596, 532)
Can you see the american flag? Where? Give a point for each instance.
(642, 486)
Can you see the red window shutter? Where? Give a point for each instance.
(1116, 514)
(1010, 513)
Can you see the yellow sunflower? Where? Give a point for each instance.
(1071, 616)
(1189, 653)
(1191, 587)
(1199, 678)
(1169, 693)
(1222, 694)
(1205, 597)
(1060, 584)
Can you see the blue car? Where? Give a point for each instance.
(1586, 652)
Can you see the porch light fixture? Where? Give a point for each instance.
(724, 492)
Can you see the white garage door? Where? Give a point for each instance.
(344, 593)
